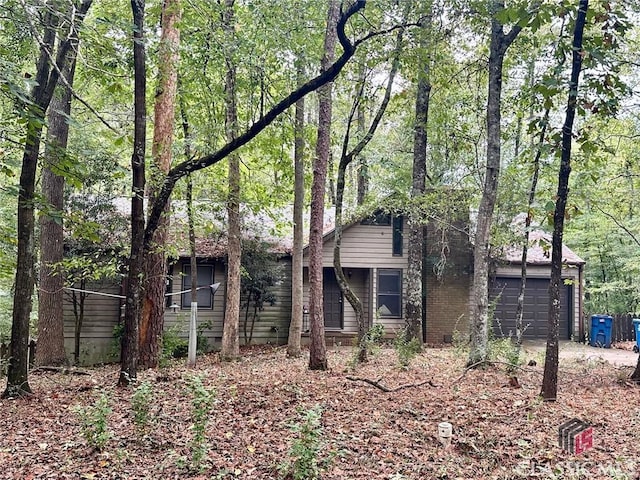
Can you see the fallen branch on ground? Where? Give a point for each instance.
(64, 370)
(378, 385)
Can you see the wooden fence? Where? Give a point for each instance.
(622, 328)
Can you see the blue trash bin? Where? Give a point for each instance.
(636, 329)
(601, 326)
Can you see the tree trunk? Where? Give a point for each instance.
(134, 292)
(50, 349)
(480, 294)
(193, 262)
(295, 327)
(152, 316)
(46, 80)
(345, 161)
(416, 230)
(318, 348)
(231, 331)
(199, 163)
(363, 167)
(550, 378)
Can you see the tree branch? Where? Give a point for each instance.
(379, 386)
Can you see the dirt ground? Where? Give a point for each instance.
(255, 425)
(620, 354)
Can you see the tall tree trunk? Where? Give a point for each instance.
(46, 80)
(205, 161)
(500, 42)
(345, 160)
(193, 260)
(415, 223)
(50, 349)
(363, 167)
(155, 263)
(231, 331)
(550, 378)
(295, 327)
(134, 291)
(318, 348)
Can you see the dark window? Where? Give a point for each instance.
(205, 278)
(379, 218)
(397, 236)
(390, 293)
(169, 289)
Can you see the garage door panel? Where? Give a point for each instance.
(504, 295)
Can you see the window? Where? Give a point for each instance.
(397, 237)
(205, 278)
(390, 293)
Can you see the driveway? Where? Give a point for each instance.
(622, 355)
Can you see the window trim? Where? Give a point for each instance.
(388, 271)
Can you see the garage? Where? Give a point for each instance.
(536, 307)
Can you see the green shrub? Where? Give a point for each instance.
(202, 402)
(304, 462)
(173, 346)
(406, 350)
(141, 406)
(93, 422)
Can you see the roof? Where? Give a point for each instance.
(539, 251)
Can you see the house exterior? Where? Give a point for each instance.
(505, 285)
(374, 259)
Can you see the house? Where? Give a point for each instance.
(374, 259)
(505, 286)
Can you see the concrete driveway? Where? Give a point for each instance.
(622, 355)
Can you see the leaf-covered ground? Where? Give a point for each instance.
(499, 431)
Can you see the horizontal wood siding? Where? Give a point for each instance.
(101, 315)
(272, 325)
(365, 246)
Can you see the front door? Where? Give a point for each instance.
(332, 301)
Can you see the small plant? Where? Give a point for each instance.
(304, 461)
(141, 405)
(93, 422)
(406, 349)
(173, 346)
(375, 336)
(201, 403)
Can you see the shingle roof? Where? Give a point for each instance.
(539, 252)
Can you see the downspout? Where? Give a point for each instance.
(581, 331)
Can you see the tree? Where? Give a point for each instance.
(295, 327)
(416, 230)
(498, 46)
(47, 75)
(140, 242)
(155, 266)
(50, 349)
(346, 158)
(129, 362)
(550, 378)
(230, 335)
(318, 348)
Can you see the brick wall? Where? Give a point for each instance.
(449, 279)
